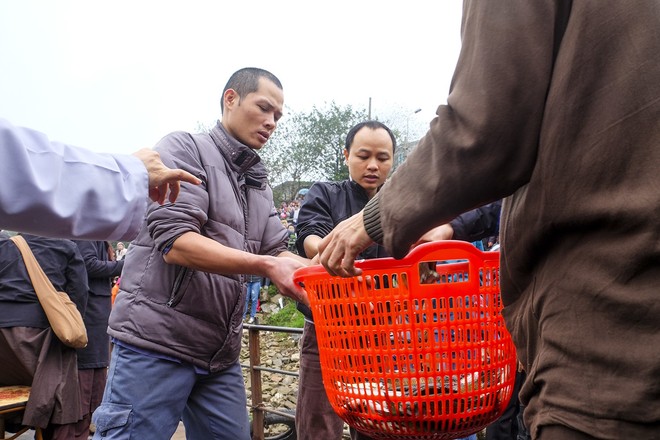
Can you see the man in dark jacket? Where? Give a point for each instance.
(177, 318)
(94, 359)
(369, 154)
(556, 106)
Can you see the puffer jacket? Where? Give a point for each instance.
(183, 313)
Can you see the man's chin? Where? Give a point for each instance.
(258, 143)
(369, 185)
(255, 145)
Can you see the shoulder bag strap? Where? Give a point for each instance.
(37, 275)
(63, 316)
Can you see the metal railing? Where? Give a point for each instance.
(258, 407)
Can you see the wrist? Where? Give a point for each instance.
(267, 264)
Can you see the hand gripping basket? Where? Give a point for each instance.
(415, 348)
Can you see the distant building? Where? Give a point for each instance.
(402, 151)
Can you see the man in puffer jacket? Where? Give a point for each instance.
(176, 321)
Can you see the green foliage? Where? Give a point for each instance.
(289, 316)
(308, 146)
(204, 127)
(272, 290)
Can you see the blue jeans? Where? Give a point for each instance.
(253, 289)
(145, 397)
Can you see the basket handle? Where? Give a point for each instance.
(432, 251)
(450, 250)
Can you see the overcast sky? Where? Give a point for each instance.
(118, 76)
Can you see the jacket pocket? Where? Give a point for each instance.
(180, 286)
(111, 416)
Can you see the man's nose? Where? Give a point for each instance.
(270, 122)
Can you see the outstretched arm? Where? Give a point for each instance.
(196, 251)
(57, 190)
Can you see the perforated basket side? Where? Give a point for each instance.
(402, 359)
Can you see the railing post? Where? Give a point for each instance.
(255, 385)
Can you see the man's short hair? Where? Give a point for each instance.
(374, 125)
(246, 81)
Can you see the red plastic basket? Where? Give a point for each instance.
(406, 359)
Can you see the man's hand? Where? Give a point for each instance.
(337, 251)
(442, 232)
(162, 178)
(281, 275)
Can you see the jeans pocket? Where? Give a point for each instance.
(111, 416)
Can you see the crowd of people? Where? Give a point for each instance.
(288, 211)
(574, 158)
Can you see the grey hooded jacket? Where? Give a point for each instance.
(183, 313)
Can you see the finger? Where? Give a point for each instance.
(328, 267)
(348, 265)
(304, 298)
(153, 194)
(325, 262)
(174, 191)
(329, 261)
(352, 272)
(162, 192)
(323, 244)
(322, 255)
(418, 242)
(297, 293)
(187, 177)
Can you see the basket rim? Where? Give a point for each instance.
(415, 256)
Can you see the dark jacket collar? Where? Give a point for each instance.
(357, 189)
(241, 158)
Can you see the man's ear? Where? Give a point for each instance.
(230, 98)
(346, 153)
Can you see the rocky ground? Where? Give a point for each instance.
(278, 351)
